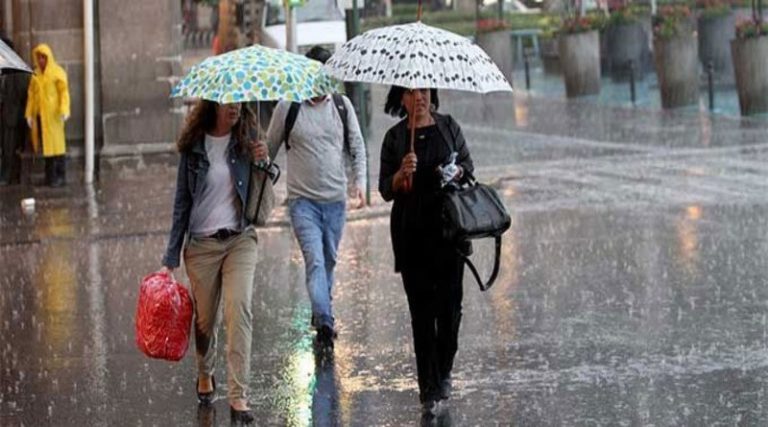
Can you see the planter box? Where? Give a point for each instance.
(550, 55)
(677, 66)
(750, 57)
(625, 43)
(715, 36)
(498, 46)
(580, 62)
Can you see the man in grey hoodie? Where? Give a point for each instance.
(318, 134)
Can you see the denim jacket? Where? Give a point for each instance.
(190, 181)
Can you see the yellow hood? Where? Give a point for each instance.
(51, 67)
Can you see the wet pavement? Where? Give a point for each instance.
(632, 289)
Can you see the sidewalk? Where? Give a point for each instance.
(508, 136)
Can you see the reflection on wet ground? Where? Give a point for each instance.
(632, 290)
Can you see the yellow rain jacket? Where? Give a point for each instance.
(48, 98)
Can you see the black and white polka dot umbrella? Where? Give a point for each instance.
(417, 56)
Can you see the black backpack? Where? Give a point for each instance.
(293, 112)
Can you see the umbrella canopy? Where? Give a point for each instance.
(417, 56)
(255, 73)
(9, 60)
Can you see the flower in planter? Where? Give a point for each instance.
(581, 24)
(749, 28)
(489, 25)
(624, 12)
(575, 21)
(755, 27)
(713, 8)
(672, 21)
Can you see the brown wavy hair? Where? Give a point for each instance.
(202, 119)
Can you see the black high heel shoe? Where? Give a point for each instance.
(205, 399)
(244, 417)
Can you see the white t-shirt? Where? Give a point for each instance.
(216, 206)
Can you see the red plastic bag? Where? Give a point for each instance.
(163, 317)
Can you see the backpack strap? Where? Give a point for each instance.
(293, 112)
(487, 285)
(338, 100)
(290, 120)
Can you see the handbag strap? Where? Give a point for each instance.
(487, 285)
(261, 197)
(268, 173)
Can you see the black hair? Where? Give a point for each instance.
(318, 53)
(394, 106)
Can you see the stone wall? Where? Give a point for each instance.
(138, 59)
(58, 23)
(140, 53)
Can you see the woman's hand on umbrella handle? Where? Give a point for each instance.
(29, 122)
(259, 151)
(408, 164)
(402, 179)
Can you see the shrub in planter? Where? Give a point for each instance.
(579, 49)
(676, 57)
(750, 54)
(493, 38)
(625, 37)
(715, 28)
(708, 9)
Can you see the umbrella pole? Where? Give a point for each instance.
(258, 120)
(409, 181)
(413, 123)
(418, 12)
(408, 184)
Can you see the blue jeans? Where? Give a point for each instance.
(318, 227)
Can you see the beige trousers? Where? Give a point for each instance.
(223, 269)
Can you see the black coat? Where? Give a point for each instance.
(13, 98)
(402, 223)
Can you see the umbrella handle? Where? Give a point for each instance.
(418, 12)
(408, 183)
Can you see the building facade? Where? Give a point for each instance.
(138, 48)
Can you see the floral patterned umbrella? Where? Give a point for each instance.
(417, 56)
(255, 73)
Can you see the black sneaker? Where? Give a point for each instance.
(446, 386)
(429, 410)
(326, 335)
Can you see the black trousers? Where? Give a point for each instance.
(55, 171)
(12, 138)
(434, 293)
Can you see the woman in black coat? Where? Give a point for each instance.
(431, 268)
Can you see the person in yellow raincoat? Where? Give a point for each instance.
(47, 110)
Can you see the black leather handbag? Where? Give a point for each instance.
(474, 211)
